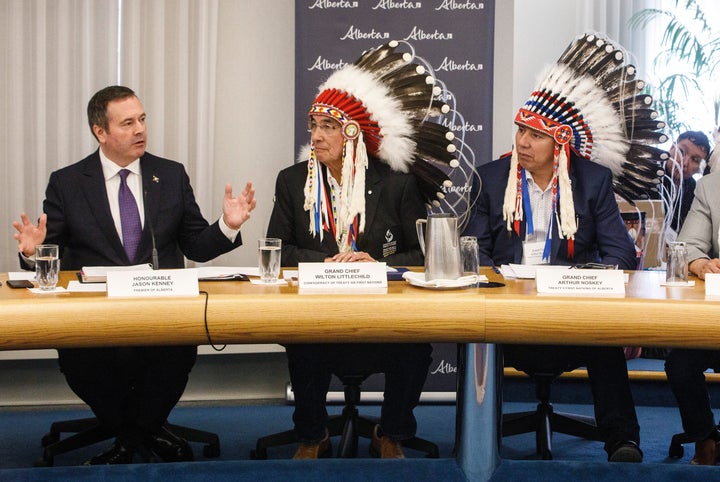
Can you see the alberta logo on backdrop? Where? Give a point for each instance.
(454, 5)
(465, 127)
(322, 64)
(396, 5)
(444, 368)
(332, 4)
(418, 33)
(450, 65)
(354, 33)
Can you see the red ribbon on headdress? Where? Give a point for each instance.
(561, 135)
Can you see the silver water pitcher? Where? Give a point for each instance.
(439, 242)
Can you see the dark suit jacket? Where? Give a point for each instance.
(79, 218)
(392, 205)
(601, 236)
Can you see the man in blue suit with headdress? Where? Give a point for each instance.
(551, 202)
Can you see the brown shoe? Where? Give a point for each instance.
(707, 452)
(385, 447)
(321, 449)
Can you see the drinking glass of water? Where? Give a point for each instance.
(47, 266)
(269, 250)
(470, 255)
(677, 264)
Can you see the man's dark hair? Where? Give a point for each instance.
(697, 138)
(97, 107)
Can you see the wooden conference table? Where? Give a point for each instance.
(241, 312)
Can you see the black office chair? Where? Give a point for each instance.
(544, 420)
(87, 431)
(349, 425)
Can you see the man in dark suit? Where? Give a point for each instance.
(131, 390)
(600, 237)
(389, 235)
(685, 159)
(312, 202)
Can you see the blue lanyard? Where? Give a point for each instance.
(526, 204)
(529, 217)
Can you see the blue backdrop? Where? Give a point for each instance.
(454, 36)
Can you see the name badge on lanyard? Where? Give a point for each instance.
(533, 252)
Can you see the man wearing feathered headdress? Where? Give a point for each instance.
(355, 197)
(550, 201)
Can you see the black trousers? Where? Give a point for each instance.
(311, 366)
(607, 370)
(131, 390)
(684, 370)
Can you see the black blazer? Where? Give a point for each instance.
(79, 218)
(392, 205)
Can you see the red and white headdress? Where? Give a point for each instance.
(390, 107)
(590, 102)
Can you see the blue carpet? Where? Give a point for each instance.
(574, 471)
(345, 470)
(240, 426)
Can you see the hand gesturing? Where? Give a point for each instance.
(29, 235)
(236, 210)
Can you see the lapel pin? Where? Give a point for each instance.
(156, 179)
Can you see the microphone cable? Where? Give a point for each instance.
(156, 265)
(148, 221)
(207, 329)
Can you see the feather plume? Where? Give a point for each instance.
(593, 90)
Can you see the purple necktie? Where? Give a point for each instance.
(129, 217)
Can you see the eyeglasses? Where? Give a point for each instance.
(325, 127)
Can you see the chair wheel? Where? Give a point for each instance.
(211, 451)
(258, 454)
(676, 451)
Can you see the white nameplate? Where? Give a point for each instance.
(160, 282)
(342, 276)
(712, 284)
(580, 281)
